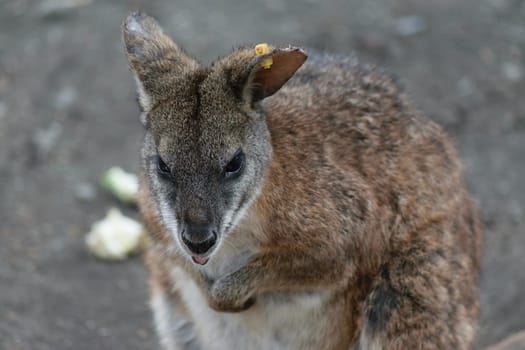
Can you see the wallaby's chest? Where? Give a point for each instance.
(276, 321)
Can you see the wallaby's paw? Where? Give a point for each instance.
(231, 294)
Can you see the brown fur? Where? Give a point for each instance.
(360, 194)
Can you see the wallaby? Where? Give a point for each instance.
(298, 206)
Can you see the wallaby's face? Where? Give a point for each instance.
(206, 148)
(205, 159)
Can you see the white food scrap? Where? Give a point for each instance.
(115, 237)
(123, 185)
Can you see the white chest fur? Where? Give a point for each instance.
(280, 321)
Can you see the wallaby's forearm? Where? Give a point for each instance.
(277, 270)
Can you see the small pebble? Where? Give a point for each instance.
(85, 192)
(487, 55)
(512, 71)
(45, 140)
(410, 25)
(465, 87)
(65, 97)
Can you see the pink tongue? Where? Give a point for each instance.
(200, 261)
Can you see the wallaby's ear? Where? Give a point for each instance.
(271, 71)
(152, 56)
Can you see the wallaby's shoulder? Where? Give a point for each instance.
(362, 106)
(345, 81)
(337, 94)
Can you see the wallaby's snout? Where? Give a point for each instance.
(199, 236)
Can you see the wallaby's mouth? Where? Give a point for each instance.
(199, 260)
(198, 256)
(199, 242)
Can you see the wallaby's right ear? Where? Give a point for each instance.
(267, 78)
(153, 57)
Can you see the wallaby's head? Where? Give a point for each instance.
(206, 147)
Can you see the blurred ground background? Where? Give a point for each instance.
(67, 113)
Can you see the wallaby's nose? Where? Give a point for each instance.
(199, 238)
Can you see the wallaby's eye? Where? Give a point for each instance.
(163, 169)
(236, 165)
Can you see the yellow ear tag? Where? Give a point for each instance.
(263, 49)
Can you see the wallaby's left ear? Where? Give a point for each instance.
(153, 57)
(271, 71)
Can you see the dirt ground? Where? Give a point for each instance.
(67, 113)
